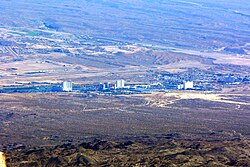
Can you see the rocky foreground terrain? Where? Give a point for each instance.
(159, 150)
(71, 130)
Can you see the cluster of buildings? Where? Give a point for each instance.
(192, 80)
(158, 82)
(67, 86)
(186, 85)
(118, 86)
(199, 80)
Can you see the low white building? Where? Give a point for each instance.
(188, 85)
(181, 86)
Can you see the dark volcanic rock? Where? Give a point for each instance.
(165, 152)
(81, 160)
(97, 145)
(54, 162)
(124, 145)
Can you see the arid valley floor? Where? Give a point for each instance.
(169, 129)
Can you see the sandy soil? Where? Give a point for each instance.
(165, 99)
(219, 57)
(182, 66)
(2, 160)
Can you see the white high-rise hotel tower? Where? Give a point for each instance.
(67, 86)
(119, 84)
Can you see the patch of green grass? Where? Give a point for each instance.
(18, 33)
(33, 33)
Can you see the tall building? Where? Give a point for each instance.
(67, 86)
(119, 84)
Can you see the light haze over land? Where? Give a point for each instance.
(193, 24)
